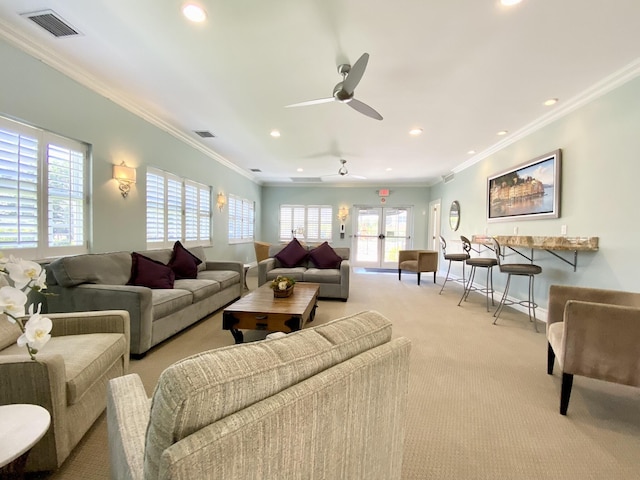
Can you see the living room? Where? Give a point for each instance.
(596, 131)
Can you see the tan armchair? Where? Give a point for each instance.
(593, 333)
(69, 378)
(418, 261)
(262, 250)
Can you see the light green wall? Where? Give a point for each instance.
(43, 97)
(600, 173)
(273, 197)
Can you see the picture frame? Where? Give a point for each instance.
(529, 191)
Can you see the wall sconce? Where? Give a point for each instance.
(125, 177)
(343, 213)
(221, 201)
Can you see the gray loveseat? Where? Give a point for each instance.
(334, 282)
(99, 282)
(327, 402)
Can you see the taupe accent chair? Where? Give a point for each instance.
(452, 257)
(528, 270)
(69, 377)
(478, 262)
(262, 250)
(418, 261)
(593, 333)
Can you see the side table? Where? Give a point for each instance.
(21, 427)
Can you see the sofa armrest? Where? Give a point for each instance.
(90, 297)
(128, 410)
(602, 341)
(264, 267)
(427, 261)
(404, 255)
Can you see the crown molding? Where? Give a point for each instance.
(606, 85)
(50, 58)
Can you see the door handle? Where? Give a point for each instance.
(381, 236)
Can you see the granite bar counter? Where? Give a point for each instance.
(549, 244)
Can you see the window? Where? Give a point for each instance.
(177, 209)
(306, 222)
(241, 219)
(42, 192)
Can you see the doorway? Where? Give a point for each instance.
(380, 233)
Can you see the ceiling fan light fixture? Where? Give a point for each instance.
(415, 132)
(549, 102)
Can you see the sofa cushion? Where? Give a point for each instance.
(184, 263)
(297, 273)
(146, 272)
(225, 278)
(9, 333)
(292, 255)
(322, 275)
(167, 301)
(323, 256)
(199, 287)
(87, 357)
(99, 268)
(206, 387)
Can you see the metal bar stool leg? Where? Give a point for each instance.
(467, 285)
(446, 278)
(496, 314)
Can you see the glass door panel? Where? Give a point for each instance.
(381, 232)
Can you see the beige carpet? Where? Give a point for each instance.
(481, 405)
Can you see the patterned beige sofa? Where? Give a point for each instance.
(100, 282)
(326, 402)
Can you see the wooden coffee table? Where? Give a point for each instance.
(259, 310)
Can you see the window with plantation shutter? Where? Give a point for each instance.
(42, 192)
(312, 223)
(177, 209)
(241, 220)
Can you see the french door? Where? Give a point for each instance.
(380, 233)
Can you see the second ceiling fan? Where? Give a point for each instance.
(343, 92)
(343, 172)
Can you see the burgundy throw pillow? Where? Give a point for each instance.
(323, 256)
(146, 272)
(183, 263)
(292, 255)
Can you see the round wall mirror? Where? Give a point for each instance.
(454, 215)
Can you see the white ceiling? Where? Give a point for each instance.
(461, 70)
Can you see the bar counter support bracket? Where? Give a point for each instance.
(575, 259)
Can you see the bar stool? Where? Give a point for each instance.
(520, 269)
(478, 262)
(452, 257)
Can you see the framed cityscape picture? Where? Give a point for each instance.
(527, 192)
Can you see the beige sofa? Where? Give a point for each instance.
(334, 282)
(99, 282)
(326, 402)
(69, 378)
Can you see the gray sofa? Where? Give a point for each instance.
(99, 282)
(334, 282)
(327, 402)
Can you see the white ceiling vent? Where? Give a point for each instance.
(306, 179)
(52, 23)
(448, 177)
(204, 133)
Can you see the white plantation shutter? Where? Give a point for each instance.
(42, 192)
(311, 223)
(177, 209)
(241, 220)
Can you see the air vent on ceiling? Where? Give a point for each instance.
(448, 178)
(204, 133)
(52, 23)
(306, 179)
(255, 170)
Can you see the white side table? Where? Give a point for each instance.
(21, 427)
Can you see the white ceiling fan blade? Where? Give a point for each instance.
(355, 74)
(311, 102)
(364, 109)
(358, 177)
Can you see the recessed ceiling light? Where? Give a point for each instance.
(415, 131)
(300, 170)
(471, 152)
(508, 3)
(389, 169)
(551, 101)
(275, 133)
(194, 12)
(502, 132)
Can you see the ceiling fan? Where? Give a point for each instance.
(344, 90)
(343, 172)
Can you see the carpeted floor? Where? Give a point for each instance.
(481, 405)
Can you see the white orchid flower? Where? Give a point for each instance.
(12, 302)
(23, 272)
(36, 332)
(282, 285)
